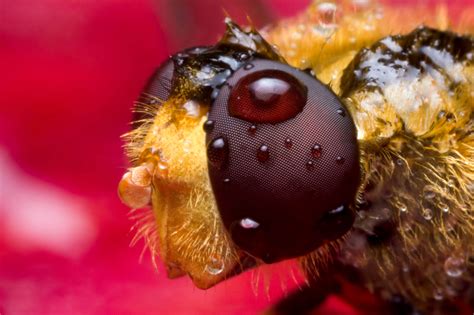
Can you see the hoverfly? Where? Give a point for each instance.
(342, 138)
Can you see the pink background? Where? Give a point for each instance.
(70, 71)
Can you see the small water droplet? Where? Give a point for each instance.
(429, 192)
(226, 180)
(263, 153)
(252, 130)
(243, 56)
(316, 151)
(215, 267)
(444, 207)
(438, 294)
(214, 94)
(179, 61)
(218, 152)
(337, 210)
(310, 165)
(248, 223)
(288, 143)
(427, 214)
(208, 125)
(341, 112)
(248, 66)
(162, 168)
(340, 160)
(399, 162)
(454, 266)
(402, 207)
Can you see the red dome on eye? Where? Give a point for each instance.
(267, 96)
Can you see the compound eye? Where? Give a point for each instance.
(283, 161)
(267, 96)
(157, 91)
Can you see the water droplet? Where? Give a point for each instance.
(361, 4)
(402, 207)
(252, 130)
(337, 210)
(248, 66)
(263, 153)
(192, 108)
(427, 214)
(444, 207)
(340, 160)
(305, 63)
(310, 165)
(438, 294)
(341, 112)
(288, 143)
(316, 151)
(327, 13)
(242, 56)
(179, 61)
(162, 168)
(215, 267)
(399, 162)
(429, 192)
(214, 94)
(454, 266)
(248, 223)
(226, 180)
(218, 152)
(208, 125)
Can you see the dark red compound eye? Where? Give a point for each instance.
(156, 91)
(283, 161)
(267, 96)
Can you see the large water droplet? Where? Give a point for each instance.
(215, 267)
(454, 266)
(248, 223)
(218, 152)
(316, 151)
(263, 153)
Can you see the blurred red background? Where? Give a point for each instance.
(70, 71)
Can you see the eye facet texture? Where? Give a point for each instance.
(291, 160)
(156, 91)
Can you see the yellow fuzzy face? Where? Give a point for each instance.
(170, 149)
